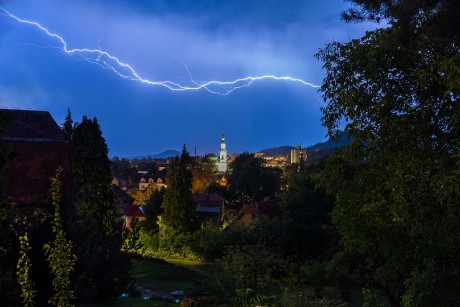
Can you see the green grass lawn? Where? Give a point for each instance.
(206, 269)
(176, 274)
(173, 275)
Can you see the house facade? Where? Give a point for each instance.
(270, 209)
(37, 147)
(209, 207)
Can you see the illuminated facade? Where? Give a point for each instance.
(222, 164)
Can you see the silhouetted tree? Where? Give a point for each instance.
(67, 126)
(9, 245)
(153, 209)
(179, 213)
(102, 270)
(397, 185)
(249, 181)
(306, 208)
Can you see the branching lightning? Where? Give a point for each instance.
(125, 71)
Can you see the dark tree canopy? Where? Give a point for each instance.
(102, 270)
(67, 126)
(9, 247)
(398, 185)
(249, 181)
(306, 210)
(437, 19)
(179, 213)
(203, 172)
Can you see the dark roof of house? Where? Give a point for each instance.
(268, 208)
(119, 193)
(29, 126)
(208, 200)
(132, 210)
(208, 209)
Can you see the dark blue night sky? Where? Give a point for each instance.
(216, 40)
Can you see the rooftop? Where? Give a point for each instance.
(29, 126)
(268, 208)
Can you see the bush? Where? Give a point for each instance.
(211, 241)
(149, 241)
(253, 266)
(314, 274)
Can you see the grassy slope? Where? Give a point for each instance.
(184, 275)
(168, 277)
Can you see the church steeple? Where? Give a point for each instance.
(222, 164)
(223, 150)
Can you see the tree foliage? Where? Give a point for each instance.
(67, 126)
(28, 291)
(131, 237)
(143, 197)
(397, 185)
(153, 209)
(252, 266)
(203, 173)
(59, 253)
(249, 181)
(102, 270)
(9, 291)
(306, 210)
(179, 213)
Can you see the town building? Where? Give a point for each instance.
(269, 209)
(144, 183)
(298, 154)
(209, 207)
(37, 147)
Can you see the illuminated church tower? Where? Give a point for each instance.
(222, 164)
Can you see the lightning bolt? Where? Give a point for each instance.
(125, 71)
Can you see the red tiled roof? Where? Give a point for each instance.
(132, 210)
(30, 126)
(268, 208)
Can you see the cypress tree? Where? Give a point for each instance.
(179, 214)
(102, 270)
(67, 127)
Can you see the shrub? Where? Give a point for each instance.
(252, 266)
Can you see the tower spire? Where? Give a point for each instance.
(222, 164)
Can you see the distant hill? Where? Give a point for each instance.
(343, 140)
(162, 155)
(277, 151)
(323, 147)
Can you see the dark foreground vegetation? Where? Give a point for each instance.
(378, 219)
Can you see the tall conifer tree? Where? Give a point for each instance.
(179, 209)
(67, 126)
(102, 270)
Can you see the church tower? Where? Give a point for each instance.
(222, 164)
(223, 150)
